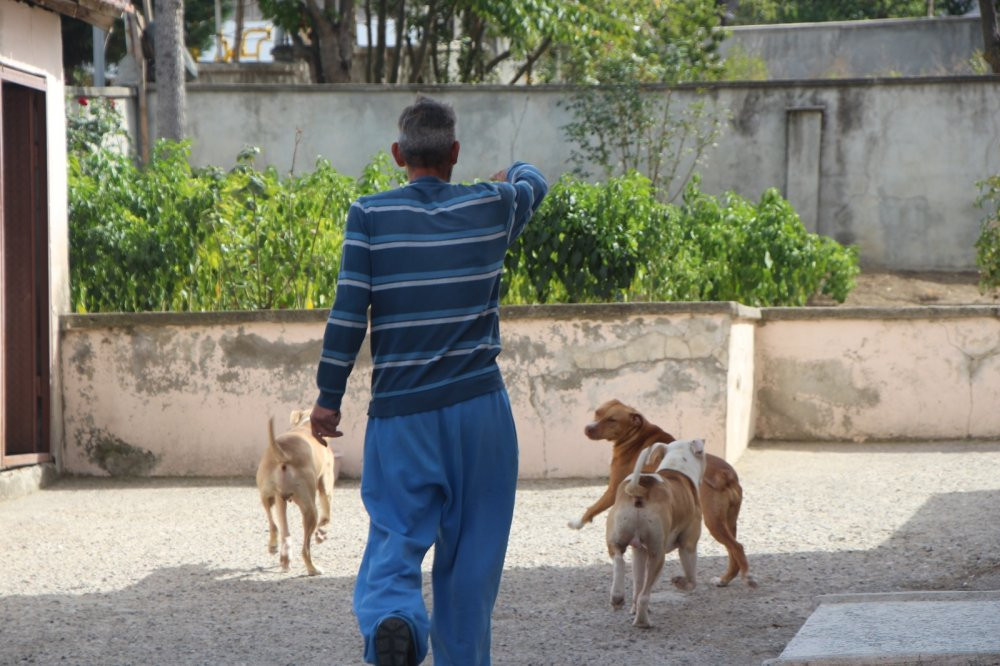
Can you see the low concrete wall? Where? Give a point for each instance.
(190, 394)
(878, 374)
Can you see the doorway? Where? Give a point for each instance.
(24, 271)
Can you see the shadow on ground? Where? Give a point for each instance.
(195, 614)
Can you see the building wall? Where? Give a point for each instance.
(844, 49)
(30, 41)
(190, 394)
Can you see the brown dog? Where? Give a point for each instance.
(655, 514)
(720, 491)
(298, 467)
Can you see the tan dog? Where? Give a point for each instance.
(298, 467)
(720, 491)
(655, 514)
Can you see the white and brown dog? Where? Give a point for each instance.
(720, 492)
(298, 467)
(654, 514)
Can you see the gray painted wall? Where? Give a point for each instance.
(890, 164)
(839, 49)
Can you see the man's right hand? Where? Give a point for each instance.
(324, 422)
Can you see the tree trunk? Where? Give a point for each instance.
(333, 27)
(991, 34)
(238, 31)
(170, 93)
(383, 19)
(397, 60)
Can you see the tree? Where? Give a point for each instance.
(991, 33)
(171, 100)
(324, 34)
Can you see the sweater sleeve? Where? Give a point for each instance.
(348, 322)
(530, 188)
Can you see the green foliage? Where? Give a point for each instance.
(622, 126)
(988, 243)
(617, 241)
(170, 237)
(741, 66)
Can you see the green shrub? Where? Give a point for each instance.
(617, 241)
(988, 243)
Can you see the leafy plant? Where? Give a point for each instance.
(988, 243)
(625, 126)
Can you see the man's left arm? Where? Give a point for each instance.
(530, 188)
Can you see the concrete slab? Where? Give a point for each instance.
(899, 628)
(21, 481)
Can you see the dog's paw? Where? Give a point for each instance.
(575, 524)
(751, 583)
(718, 581)
(682, 583)
(315, 571)
(618, 601)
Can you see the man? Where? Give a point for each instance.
(440, 456)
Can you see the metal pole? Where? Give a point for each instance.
(99, 65)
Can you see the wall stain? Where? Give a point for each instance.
(116, 456)
(82, 358)
(249, 350)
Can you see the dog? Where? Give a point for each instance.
(720, 491)
(654, 514)
(298, 467)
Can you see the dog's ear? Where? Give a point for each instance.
(295, 417)
(698, 447)
(637, 419)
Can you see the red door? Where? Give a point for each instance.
(24, 271)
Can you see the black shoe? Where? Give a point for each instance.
(394, 643)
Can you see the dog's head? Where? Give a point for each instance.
(299, 417)
(613, 421)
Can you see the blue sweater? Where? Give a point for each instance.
(425, 261)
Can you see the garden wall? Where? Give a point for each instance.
(190, 394)
(888, 164)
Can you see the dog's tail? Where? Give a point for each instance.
(635, 487)
(273, 444)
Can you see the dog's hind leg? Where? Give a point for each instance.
(308, 527)
(282, 507)
(618, 580)
(652, 565)
(323, 495)
(689, 561)
(272, 529)
(639, 563)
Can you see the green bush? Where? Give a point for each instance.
(171, 237)
(988, 243)
(617, 241)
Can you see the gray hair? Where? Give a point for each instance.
(427, 132)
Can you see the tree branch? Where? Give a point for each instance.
(531, 59)
(991, 34)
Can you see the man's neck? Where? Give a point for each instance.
(413, 173)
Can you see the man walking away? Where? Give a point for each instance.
(420, 269)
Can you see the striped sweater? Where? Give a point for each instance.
(424, 262)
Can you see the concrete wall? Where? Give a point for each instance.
(879, 374)
(168, 394)
(189, 394)
(845, 49)
(890, 165)
(31, 43)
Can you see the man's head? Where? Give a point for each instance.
(427, 136)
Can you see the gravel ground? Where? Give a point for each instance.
(175, 571)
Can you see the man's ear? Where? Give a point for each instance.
(454, 152)
(397, 154)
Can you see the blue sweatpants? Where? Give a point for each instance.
(445, 478)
